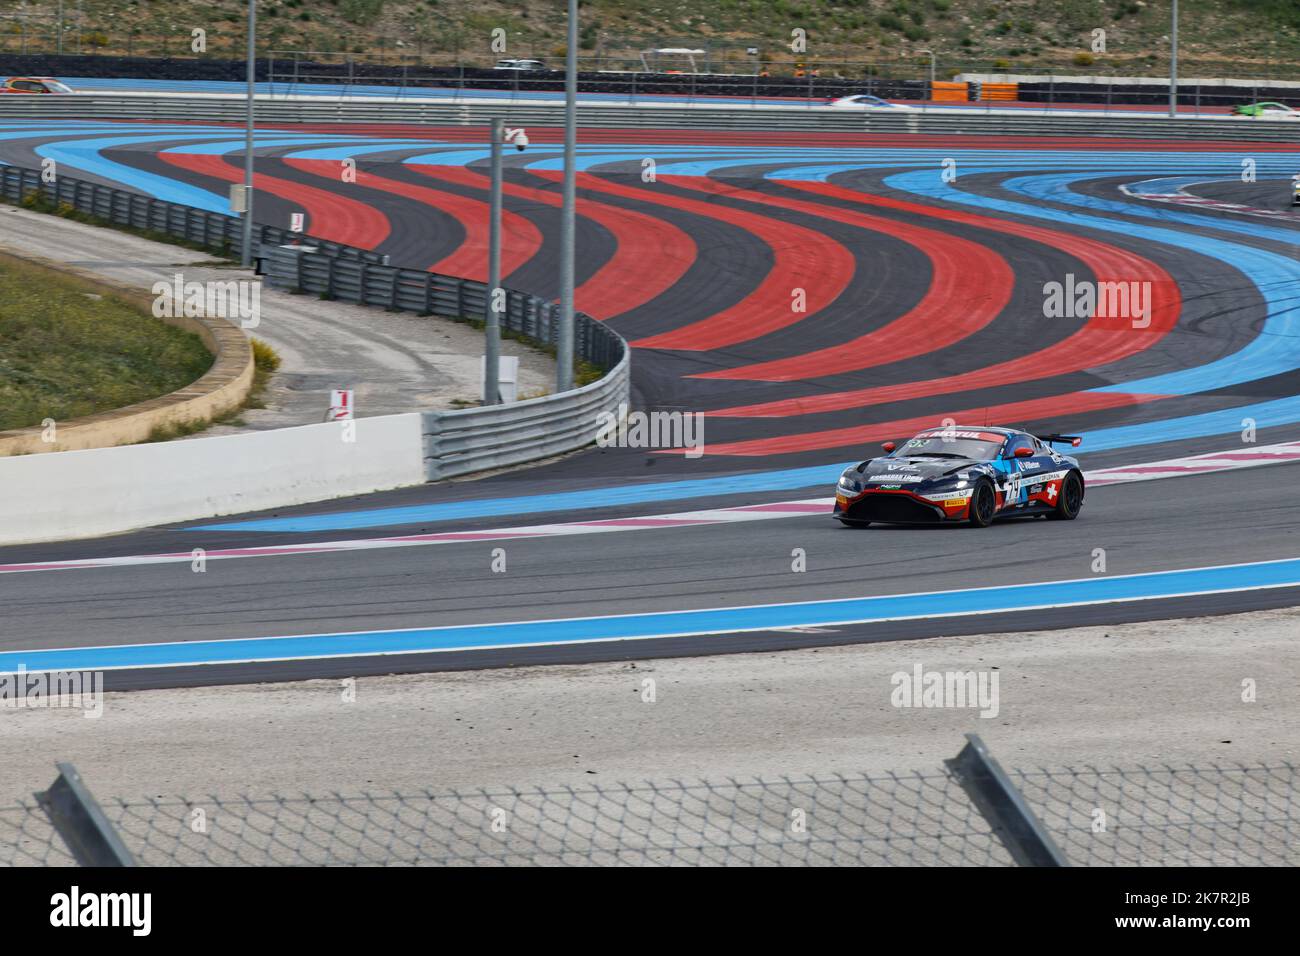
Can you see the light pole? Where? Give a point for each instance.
(931, 52)
(491, 318)
(564, 336)
(246, 255)
(1173, 62)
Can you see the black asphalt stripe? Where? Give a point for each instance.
(890, 277)
(1222, 310)
(269, 208)
(593, 243)
(1109, 189)
(1272, 194)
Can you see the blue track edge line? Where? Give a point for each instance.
(991, 600)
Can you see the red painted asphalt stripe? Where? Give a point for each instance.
(624, 282)
(802, 258)
(1255, 456)
(1157, 469)
(1101, 341)
(970, 284)
(520, 238)
(1074, 403)
(329, 216)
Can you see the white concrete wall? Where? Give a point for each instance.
(79, 494)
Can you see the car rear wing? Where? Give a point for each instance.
(1072, 439)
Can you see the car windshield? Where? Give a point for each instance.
(980, 446)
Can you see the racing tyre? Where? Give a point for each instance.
(983, 504)
(1070, 500)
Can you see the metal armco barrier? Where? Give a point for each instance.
(121, 207)
(650, 115)
(476, 439)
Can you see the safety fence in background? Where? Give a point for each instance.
(968, 813)
(447, 108)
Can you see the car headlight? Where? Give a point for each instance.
(850, 483)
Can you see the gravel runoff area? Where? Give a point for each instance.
(1144, 694)
(394, 362)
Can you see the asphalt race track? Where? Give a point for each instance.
(813, 296)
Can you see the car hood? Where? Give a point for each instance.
(908, 470)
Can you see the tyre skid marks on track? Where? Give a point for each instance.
(803, 259)
(1100, 342)
(627, 281)
(520, 238)
(330, 216)
(970, 285)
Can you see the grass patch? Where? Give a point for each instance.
(265, 361)
(64, 354)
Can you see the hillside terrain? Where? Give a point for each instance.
(1241, 37)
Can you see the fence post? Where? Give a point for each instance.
(77, 817)
(1003, 806)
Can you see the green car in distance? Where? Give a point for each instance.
(1267, 110)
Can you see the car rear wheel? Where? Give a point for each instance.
(1070, 500)
(983, 505)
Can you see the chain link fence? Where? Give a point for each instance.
(1133, 816)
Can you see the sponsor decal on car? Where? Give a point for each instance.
(1030, 465)
(952, 434)
(894, 478)
(948, 495)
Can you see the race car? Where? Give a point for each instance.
(1295, 190)
(33, 84)
(1267, 110)
(865, 101)
(962, 473)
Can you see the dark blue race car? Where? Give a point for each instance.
(963, 473)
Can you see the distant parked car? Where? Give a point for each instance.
(864, 101)
(1267, 111)
(34, 84)
(522, 66)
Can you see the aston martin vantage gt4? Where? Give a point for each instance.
(963, 474)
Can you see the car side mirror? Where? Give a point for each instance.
(1023, 452)
(889, 446)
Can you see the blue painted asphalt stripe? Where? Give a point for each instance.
(900, 607)
(816, 476)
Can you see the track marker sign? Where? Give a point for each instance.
(340, 405)
(296, 221)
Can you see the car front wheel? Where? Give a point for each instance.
(1070, 500)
